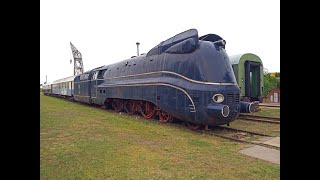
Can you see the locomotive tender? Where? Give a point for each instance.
(184, 77)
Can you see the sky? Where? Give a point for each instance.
(106, 32)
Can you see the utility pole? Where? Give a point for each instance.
(46, 79)
(77, 59)
(137, 48)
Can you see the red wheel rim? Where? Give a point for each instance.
(148, 110)
(165, 117)
(193, 126)
(130, 107)
(117, 105)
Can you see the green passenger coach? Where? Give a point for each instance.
(248, 69)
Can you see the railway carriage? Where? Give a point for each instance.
(248, 69)
(63, 87)
(47, 89)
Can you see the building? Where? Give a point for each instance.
(273, 96)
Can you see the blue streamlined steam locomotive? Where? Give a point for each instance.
(184, 77)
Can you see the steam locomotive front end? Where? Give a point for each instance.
(222, 104)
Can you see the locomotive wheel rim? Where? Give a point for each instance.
(148, 110)
(165, 117)
(193, 126)
(117, 105)
(130, 107)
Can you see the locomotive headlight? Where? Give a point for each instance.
(218, 98)
(225, 111)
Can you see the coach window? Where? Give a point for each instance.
(94, 76)
(101, 73)
(83, 77)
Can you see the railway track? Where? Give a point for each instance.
(259, 118)
(265, 105)
(244, 141)
(237, 135)
(238, 138)
(241, 131)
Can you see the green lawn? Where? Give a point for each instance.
(269, 112)
(259, 127)
(82, 142)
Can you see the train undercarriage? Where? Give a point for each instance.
(147, 109)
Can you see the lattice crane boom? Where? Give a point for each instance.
(77, 59)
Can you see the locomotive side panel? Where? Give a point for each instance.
(82, 88)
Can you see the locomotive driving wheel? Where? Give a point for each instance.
(148, 110)
(130, 107)
(117, 105)
(193, 126)
(164, 117)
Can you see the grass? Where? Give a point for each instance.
(82, 142)
(269, 112)
(259, 127)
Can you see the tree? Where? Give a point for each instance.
(269, 83)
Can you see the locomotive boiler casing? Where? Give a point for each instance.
(180, 76)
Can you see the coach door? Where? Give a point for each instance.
(93, 86)
(252, 79)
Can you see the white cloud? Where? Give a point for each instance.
(106, 32)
